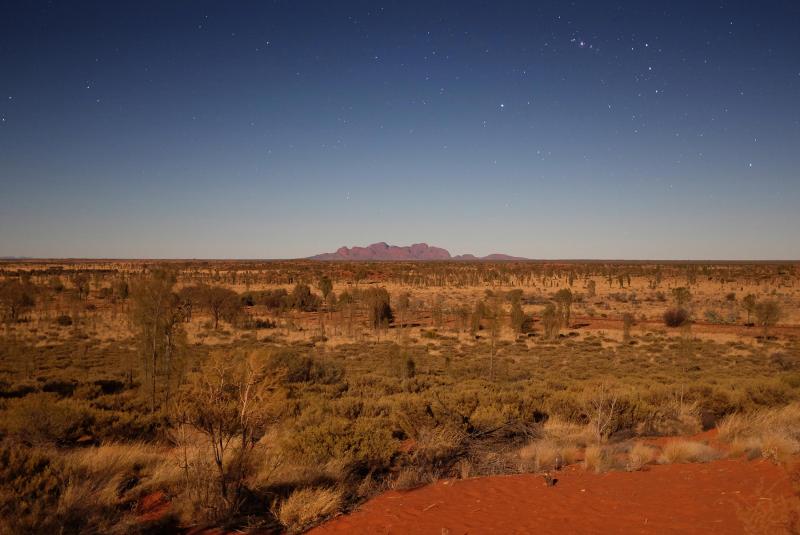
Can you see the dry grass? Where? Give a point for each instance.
(546, 454)
(565, 432)
(306, 506)
(687, 451)
(597, 459)
(773, 434)
(639, 456)
(784, 421)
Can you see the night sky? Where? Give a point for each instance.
(196, 129)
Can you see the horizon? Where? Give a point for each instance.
(281, 131)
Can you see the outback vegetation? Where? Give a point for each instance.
(273, 395)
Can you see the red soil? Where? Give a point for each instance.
(153, 507)
(730, 496)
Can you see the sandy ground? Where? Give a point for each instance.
(729, 496)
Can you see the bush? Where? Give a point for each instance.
(42, 418)
(676, 317)
(306, 369)
(30, 485)
(686, 451)
(64, 320)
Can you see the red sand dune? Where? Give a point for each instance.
(720, 497)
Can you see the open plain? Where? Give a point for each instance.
(271, 396)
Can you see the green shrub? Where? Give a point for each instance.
(42, 418)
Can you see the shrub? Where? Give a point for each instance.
(676, 317)
(30, 485)
(686, 451)
(42, 418)
(639, 456)
(596, 458)
(305, 369)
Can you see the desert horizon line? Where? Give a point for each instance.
(10, 259)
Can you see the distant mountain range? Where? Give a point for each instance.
(419, 251)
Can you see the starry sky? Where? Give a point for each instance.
(195, 129)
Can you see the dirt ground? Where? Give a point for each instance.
(729, 496)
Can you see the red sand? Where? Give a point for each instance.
(718, 497)
(153, 507)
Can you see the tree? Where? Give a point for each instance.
(221, 303)
(551, 321)
(379, 308)
(403, 304)
(437, 311)
(477, 315)
(591, 288)
(55, 284)
(517, 316)
(749, 304)
(120, 288)
(627, 323)
(767, 314)
(682, 296)
(495, 314)
(231, 400)
(360, 274)
(156, 315)
(16, 298)
(303, 299)
(325, 286)
(81, 282)
(563, 298)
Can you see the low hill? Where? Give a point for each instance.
(419, 251)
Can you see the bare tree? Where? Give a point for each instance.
(231, 400)
(601, 403)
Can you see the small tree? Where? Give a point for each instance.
(627, 323)
(437, 311)
(221, 303)
(475, 319)
(682, 296)
(495, 315)
(749, 304)
(231, 400)
(591, 288)
(325, 286)
(380, 310)
(81, 282)
(551, 321)
(15, 299)
(767, 314)
(156, 315)
(303, 299)
(403, 304)
(563, 298)
(517, 317)
(601, 403)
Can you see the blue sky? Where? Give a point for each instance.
(284, 129)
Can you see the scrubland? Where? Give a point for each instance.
(271, 396)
